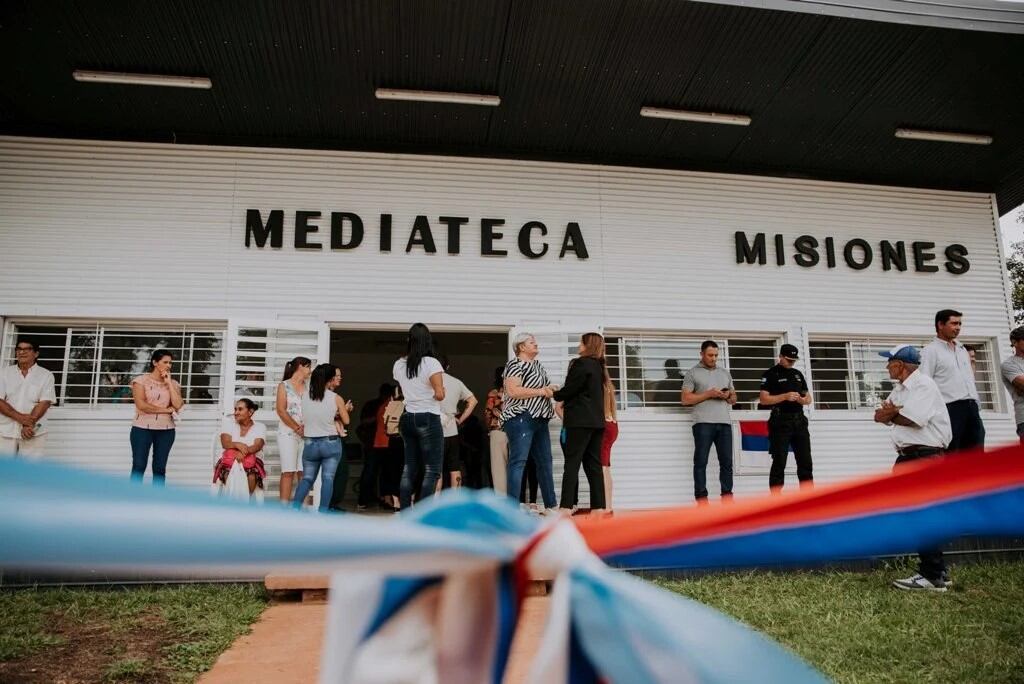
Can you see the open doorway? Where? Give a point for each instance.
(366, 357)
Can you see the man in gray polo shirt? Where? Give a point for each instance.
(1013, 377)
(710, 391)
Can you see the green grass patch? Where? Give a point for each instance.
(129, 670)
(22, 626)
(206, 623)
(856, 628)
(137, 634)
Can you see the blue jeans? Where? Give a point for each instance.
(424, 448)
(144, 439)
(528, 437)
(704, 435)
(318, 454)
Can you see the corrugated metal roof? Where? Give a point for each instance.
(825, 92)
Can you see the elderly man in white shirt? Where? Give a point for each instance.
(948, 363)
(26, 393)
(920, 428)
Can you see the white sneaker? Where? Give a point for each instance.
(918, 583)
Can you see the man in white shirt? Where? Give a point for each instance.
(920, 428)
(1013, 377)
(455, 393)
(26, 393)
(948, 363)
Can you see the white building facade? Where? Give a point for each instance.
(104, 246)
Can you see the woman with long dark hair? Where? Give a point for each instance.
(421, 378)
(584, 407)
(289, 410)
(322, 448)
(157, 399)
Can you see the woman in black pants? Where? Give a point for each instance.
(583, 406)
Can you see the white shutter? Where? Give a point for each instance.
(558, 344)
(255, 353)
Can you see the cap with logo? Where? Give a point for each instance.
(903, 352)
(789, 351)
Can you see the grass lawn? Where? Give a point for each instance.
(136, 634)
(854, 627)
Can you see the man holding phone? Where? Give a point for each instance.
(784, 390)
(709, 390)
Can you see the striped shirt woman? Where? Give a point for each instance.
(525, 418)
(532, 376)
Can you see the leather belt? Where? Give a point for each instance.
(919, 450)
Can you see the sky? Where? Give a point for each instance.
(1012, 230)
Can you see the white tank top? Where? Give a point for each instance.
(318, 416)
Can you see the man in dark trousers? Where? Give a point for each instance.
(946, 361)
(784, 390)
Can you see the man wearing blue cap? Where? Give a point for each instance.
(920, 429)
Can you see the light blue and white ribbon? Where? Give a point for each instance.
(432, 596)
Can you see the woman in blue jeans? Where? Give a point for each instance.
(321, 442)
(421, 377)
(157, 399)
(525, 417)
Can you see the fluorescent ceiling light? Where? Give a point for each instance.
(142, 79)
(943, 136)
(700, 117)
(436, 96)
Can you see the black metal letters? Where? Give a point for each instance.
(858, 253)
(303, 228)
(255, 229)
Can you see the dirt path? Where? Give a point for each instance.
(284, 646)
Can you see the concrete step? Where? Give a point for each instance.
(314, 588)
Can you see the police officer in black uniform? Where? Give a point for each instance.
(784, 390)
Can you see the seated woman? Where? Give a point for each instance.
(243, 440)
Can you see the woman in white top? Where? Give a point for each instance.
(289, 410)
(422, 380)
(322, 444)
(243, 440)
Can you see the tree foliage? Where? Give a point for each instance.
(1015, 269)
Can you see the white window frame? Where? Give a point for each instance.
(91, 411)
(661, 413)
(999, 406)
